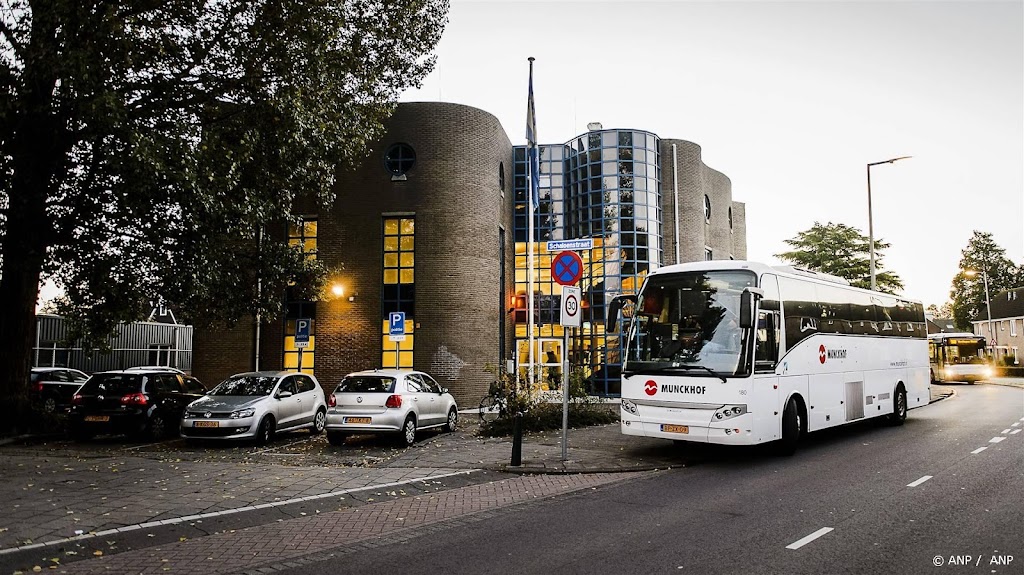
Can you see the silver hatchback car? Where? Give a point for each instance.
(256, 405)
(389, 401)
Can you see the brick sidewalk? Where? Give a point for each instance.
(285, 544)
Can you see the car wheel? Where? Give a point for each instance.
(899, 407)
(49, 405)
(319, 421)
(265, 432)
(335, 438)
(157, 426)
(453, 420)
(408, 435)
(792, 429)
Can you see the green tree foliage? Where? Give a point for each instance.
(841, 250)
(145, 146)
(967, 293)
(941, 311)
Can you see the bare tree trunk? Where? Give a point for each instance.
(37, 148)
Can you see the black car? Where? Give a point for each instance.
(132, 402)
(51, 388)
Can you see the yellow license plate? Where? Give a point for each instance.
(206, 424)
(357, 420)
(668, 428)
(98, 418)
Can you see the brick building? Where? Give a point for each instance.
(434, 224)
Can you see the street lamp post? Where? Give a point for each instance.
(871, 228)
(988, 307)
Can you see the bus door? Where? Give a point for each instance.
(764, 400)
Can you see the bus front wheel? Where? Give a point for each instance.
(792, 428)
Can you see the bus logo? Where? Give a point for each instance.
(650, 388)
(821, 353)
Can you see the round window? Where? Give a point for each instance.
(399, 159)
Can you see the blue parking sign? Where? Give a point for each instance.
(396, 323)
(302, 326)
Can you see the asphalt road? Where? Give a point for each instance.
(941, 494)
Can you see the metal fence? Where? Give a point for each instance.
(132, 344)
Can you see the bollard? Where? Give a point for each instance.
(517, 440)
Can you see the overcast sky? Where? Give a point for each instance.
(790, 100)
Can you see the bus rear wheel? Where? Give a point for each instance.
(899, 407)
(792, 429)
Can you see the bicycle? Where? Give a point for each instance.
(494, 404)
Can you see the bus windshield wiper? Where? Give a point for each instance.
(683, 367)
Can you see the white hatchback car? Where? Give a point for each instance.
(389, 401)
(256, 405)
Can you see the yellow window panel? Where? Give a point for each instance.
(521, 276)
(408, 243)
(521, 262)
(308, 360)
(293, 230)
(307, 371)
(407, 260)
(391, 244)
(521, 330)
(405, 359)
(391, 227)
(291, 360)
(390, 276)
(310, 228)
(408, 226)
(289, 343)
(386, 326)
(520, 248)
(309, 245)
(407, 344)
(390, 260)
(387, 359)
(407, 277)
(294, 243)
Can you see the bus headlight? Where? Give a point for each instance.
(629, 407)
(730, 411)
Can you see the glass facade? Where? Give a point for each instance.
(603, 185)
(398, 293)
(301, 236)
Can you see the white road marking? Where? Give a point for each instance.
(996, 439)
(1015, 424)
(809, 538)
(1005, 431)
(919, 481)
(1015, 432)
(978, 450)
(188, 518)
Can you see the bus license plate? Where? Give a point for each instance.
(363, 420)
(206, 424)
(668, 428)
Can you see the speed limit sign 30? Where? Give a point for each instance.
(570, 316)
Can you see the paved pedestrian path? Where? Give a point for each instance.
(289, 544)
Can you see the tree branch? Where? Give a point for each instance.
(8, 35)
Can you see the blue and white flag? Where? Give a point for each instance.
(532, 152)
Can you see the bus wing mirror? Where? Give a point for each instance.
(747, 306)
(614, 307)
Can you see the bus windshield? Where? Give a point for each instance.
(689, 321)
(965, 350)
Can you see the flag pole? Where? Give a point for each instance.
(531, 150)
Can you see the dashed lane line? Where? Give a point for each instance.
(996, 439)
(919, 481)
(809, 538)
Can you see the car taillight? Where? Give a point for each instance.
(76, 399)
(394, 401)
(134, 399)
(38, 387)
(332, 401)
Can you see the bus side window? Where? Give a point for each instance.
(766, 349)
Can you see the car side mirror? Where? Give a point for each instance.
(283, 394)
(444, 390)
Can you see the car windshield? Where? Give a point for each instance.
(689, 322)
(367, 384)
(112, 383)
(246, 385)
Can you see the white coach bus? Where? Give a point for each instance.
(741, 353)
